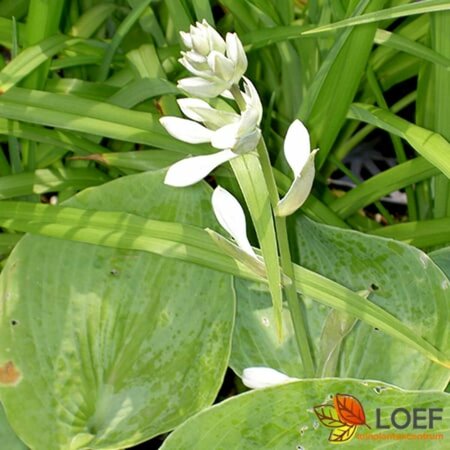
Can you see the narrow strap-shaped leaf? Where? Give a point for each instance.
(49, 180)
(31, 58)
(432, 146)
(89, 116)
(191, 244)
(324, 107)
(422, 7)
(390, 180)
(422, 234)
(399, 42)
(249, 174)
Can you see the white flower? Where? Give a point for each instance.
(230, 132)
(231, 217)
(262, 377)
(297, 150)
(216, 63)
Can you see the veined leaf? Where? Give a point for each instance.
(328, 416)
(128, 344)
(187, 243)
(364, 352)
(349, 409)
(342, 434)
(282, 417)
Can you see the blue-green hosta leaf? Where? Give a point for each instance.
(283, 418)
(442, 258)
(402, 280)
(108, 347)
(8, 439)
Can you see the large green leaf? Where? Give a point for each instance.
(283, 418)
(112, 346)
(403, 281)
(195, 245)
(442, 258)
(8, 439)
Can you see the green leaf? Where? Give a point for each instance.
(390, 180)
(49, 180)
(432, 146)
(442, 258)
(119, 35)
(194, 245)
(365, 352)
(397, 41)
(127, 344)
(248, 171)
(93, 18)
(283, 418)
(31, 58)
(325, 106)
(88, 116)
(422, 7)
(8, 438)
(422, 234)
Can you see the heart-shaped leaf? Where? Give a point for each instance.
(103, 347)
(283, 418)
(401, 279)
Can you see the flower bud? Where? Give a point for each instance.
(217, 62)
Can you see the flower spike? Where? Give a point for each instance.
(230, 132)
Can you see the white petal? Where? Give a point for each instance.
(299, 190)
(262, 377)
(252, 98)
(297, 146)
(196, 68)
(200, 41)
(195, 57)
(186, 130)
(191, 170)
(221, 66)
(216, 41)
(225, 137)
(249, 121)
(201, 111)
(231, 217)
(248, 142)
(236, 53)
(186, 38)
(199, 87)
(227, 94)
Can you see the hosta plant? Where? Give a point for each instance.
(212, 199)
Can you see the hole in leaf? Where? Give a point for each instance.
(374, 287)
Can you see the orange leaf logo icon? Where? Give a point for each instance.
(349, 410)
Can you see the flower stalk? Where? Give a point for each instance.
(218, 67)
(292, 297)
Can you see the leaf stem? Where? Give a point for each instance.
(294, 302)
(293, 299)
